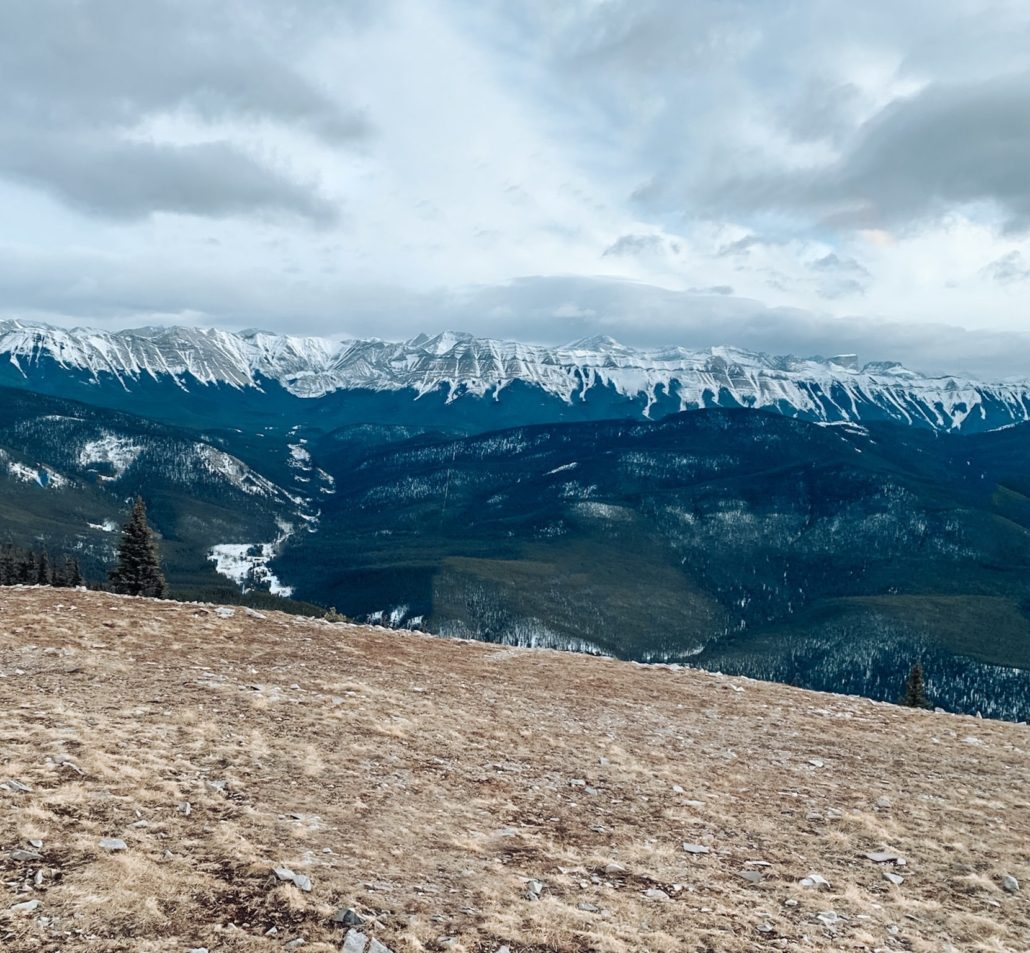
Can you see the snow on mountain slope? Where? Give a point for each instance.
(461, 365)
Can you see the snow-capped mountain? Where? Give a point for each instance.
(456, 366)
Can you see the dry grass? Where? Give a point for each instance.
(425, 782)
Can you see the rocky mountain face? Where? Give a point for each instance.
(469, 384)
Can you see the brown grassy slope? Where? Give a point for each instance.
(425, 782)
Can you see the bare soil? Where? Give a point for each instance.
(466, 797)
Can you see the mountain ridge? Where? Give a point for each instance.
(457, 366)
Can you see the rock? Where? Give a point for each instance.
(884, 857)
(374, 946)
(15, 786)
(678, 789)
(614, 869)
(815, 882)
(198, 949)
(185, 808)
(588, 907)
(577, 783)
(895, 879)
(829, 918)
(348, 917)
(113, 844)
(27, 907)
(272, 931)
(36, 844)
(295, 944)
(765, 927)
(883, 803)
(25, 855)
(751, 876)
(288, 876)
(354, 942)
(216, 787)
(1009, 884)
(815, 763)
(533, 889)
(696, 849)
(655, 894)
(224, 612)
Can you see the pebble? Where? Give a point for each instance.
(815, 882)
(614, 869)
(829, 918)
(895, 879)
(15, 786)
(27, 907)
(25, 855)
(884, 857)
(374, 946)
(588, 907)
(696, 849)
(655, 894)
(348, 917)
(354, 942)
(288, 876)
(113, 844)
(1009, 884)
(751, 876)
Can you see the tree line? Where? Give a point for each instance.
(137, 571)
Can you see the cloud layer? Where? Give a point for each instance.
(806, 178)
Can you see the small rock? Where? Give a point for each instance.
(1009, 884)
(696, 849)
(224, 612)
(751, 876)
(895, 879)
(374, 946)
(815, 763)
(588, 907)
(198, 949)
(829, 918)
(185, 808)
(883, 803)
(217, 787)
(15, 786)
(272, 931)
(765, 927)
(614, 869)
(655, 894)
(354, 942)
(27, 907)
(113, 844)
(25, 855)
(37, 844)
(790, 903)
(348, 917)
(678, 789)
(295, 944)
(884, 857)
(815, 882)
(533, 889)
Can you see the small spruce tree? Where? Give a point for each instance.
(138, 572)
(44, 574)
(72, 574)
(915, 689)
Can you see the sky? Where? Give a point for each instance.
(794, 176)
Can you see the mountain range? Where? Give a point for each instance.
(460, 381)
(810, 521)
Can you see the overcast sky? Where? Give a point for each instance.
(807, 177)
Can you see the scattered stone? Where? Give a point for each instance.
(533, 889)
(790, 903)
(37, 844)
(614, 869)
(655, 894)
(815, 882)
(288, 876)
(374, 946)
(348, 917)
(354, 942)
(27, 907)
(295, 944)
(1009, 884)
(25, 855)
(696, 849)
(577, 783)
(185, 808)
(113, 844)
(588, 907)
(751, 876)
(815, 763)
(895, 879)
(272, 931)
(884, 857)
(765, 927)
(883, 803)
(829, 918)
(199, 949)
(15, 786)
(217, 787)
(678, 789)
(225, 612)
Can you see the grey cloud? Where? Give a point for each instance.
(640, 245)
(1008, 269)
(130, 180)
(918, 159)
(76, 78)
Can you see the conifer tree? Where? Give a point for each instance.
(915, 691)
(72, 574)
(138, 572)
(44, 575)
